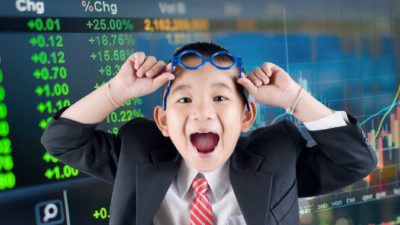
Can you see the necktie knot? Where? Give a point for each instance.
(200, 185)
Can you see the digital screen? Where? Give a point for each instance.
(52, 53)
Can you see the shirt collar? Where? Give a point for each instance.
(218, 179)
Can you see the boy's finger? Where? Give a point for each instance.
(250, 87)
(160, 80)
(139, 58)
(131, 61)
(267, 68)
(261, 75)
(254, 79)
(169, 67)
(156, 69)
(147, 64)
(270, 68)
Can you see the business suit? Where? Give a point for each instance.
(269, 169)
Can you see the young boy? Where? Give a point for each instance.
(190, 165)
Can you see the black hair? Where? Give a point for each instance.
(207, 49)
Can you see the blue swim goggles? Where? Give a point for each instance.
(218, 59)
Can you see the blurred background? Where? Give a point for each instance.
(52, 53)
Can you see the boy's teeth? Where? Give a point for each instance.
(204, 142)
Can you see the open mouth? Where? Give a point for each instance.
(204, 142)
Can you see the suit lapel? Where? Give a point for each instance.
(152, 183)
(252, 188)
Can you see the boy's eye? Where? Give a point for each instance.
(220, 97)
(186, 98)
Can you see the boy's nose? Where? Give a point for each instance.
(202, 111)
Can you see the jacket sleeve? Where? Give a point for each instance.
(94, 152)
(340, 157)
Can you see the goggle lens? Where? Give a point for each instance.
(193, 60)
(223, 60)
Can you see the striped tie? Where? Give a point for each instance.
(200, 210)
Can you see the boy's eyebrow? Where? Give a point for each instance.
(188, 86)
(181, 87)
(221, 85)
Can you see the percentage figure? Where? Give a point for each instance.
(127, 24)
(87, 6)
(128, 39)
(137, 101)
(137, 113)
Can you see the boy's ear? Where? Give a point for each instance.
(249, 117)
(160, 117)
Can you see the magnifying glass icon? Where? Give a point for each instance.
(50, 212)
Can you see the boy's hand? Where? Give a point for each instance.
(141, 75)
(271, 85)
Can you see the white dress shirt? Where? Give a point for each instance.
(175, 207)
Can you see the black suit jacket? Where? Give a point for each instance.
(269, 169)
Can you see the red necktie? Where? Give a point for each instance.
(200, 210)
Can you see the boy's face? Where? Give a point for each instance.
(205, 115)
